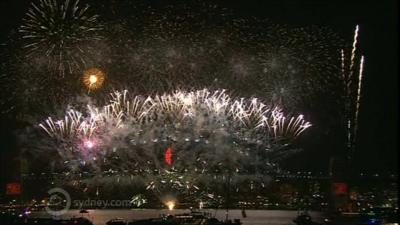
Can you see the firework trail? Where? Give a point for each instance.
(354, 51)
(343, 65)
(59, 34)
(352, 94)
(359, 87)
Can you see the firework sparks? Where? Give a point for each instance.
(252, 56)
(279, 63)
(179, 106)
(207, 129)
(138, 200)
(61, 32)
(89, 144)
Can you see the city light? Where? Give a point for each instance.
(170, 205)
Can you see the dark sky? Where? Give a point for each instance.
(377, 148)
(378, 144)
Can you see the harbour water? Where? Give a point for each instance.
(253, 217)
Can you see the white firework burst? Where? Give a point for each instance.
(59, 34)
(179, 116)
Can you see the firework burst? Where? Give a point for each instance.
(170, 48)
(59, 34)
(210, 132)
(93, 78)
(213, 135)
(178, 107)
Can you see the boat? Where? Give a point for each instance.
(178, 219)
(83, 211)
(46, 221)
(304, 218)
(379, 216)
(117, 221)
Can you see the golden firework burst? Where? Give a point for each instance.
(170, 205)
(93, 78)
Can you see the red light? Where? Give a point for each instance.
(340, 188)
(168, 156)
(13, 189)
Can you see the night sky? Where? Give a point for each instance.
(378, 145)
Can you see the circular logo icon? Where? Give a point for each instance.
(59, 202)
